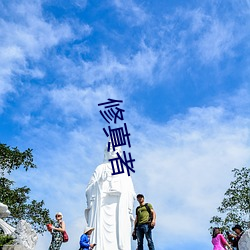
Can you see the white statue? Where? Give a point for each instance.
(244, 242)
(25, 235)
(4, 212)
(110, 200)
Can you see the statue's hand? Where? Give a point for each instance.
(131, 217)
(105, 175)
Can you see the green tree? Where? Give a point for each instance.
(17, 199)
(235, 207)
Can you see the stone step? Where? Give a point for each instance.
(12, 247)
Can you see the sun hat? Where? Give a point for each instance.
(87, 229)
(59, 213)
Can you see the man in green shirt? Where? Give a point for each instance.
(144, 223)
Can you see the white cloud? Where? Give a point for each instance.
(31, 33)
(240, 100)
(80, 3)
(81, 102)
(198, 19)
(105, 69)
(191, 34)
(25, 35)
(123, 70)
(131, 12)
(217, 42)
(143, 63)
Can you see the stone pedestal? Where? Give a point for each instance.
(13, 247)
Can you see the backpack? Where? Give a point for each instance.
(149, 212)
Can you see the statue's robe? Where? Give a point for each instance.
(244, 242)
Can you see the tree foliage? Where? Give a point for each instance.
(11, 159)
(6, 240)
(235, 207)
(17, 199)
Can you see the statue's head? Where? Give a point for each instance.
(4, 211)
(111, 154)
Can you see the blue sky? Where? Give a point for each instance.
(182, 71)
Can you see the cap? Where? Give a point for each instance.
(140, 195)
(237, 227)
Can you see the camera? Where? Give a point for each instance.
(134, 235)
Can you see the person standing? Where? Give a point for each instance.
(218, 240)
(143, 225)
(239, 231)
(85, 239)
(56, 231)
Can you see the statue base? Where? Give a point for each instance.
(12, 247)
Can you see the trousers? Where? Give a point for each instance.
(142, 230)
